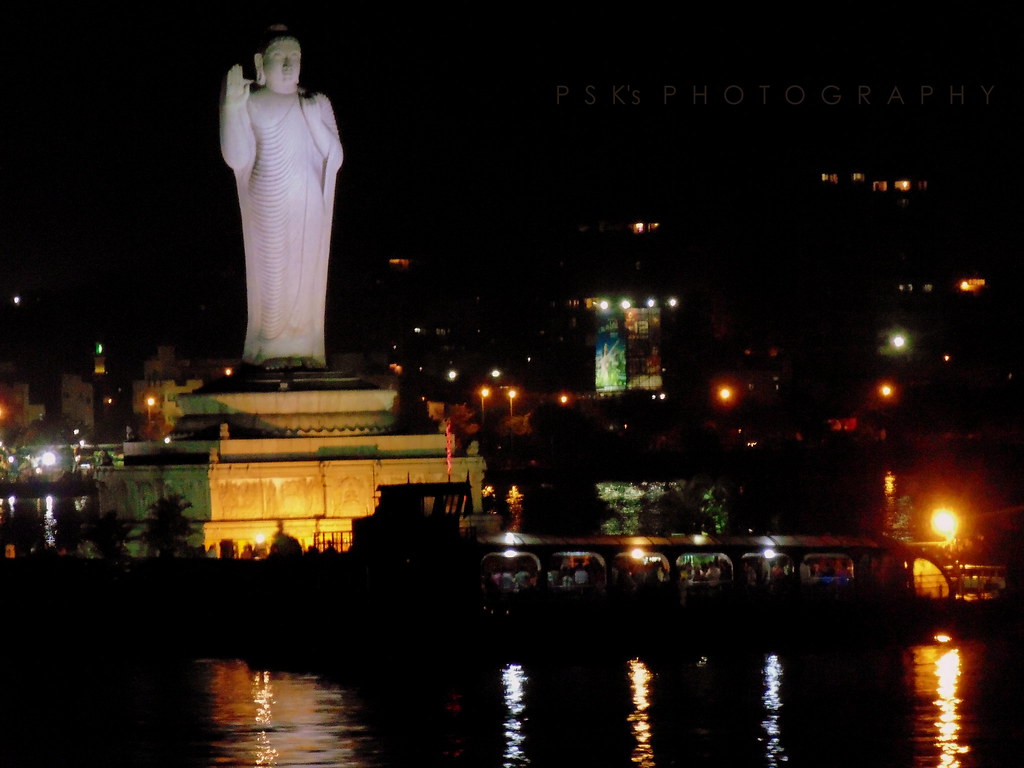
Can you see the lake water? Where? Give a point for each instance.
(942, 704)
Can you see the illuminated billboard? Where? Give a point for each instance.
(610, 372)
(643, 342)
(628, 350)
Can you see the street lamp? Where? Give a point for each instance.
(944, 523)
(485, 392)
(511, 399)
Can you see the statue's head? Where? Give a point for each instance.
(277, 65)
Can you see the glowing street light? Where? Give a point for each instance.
(944, 523)
(485, 392)
(511, 400)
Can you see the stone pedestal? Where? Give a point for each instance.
(287, 405)
(303, 454)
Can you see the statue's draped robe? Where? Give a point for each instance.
(286, 156)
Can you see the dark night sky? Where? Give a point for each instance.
(456, 150)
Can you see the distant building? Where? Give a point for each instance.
(165, 377)
(16, 407)
(77, 402)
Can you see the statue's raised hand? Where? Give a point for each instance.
(236, 86)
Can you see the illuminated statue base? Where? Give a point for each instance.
(306, 460)
(292, 404)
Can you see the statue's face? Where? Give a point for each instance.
(281, 66)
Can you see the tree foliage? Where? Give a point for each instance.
(108, 534)
(167, 529)
(698, 505)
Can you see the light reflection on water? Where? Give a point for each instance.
(271, 718)
(952, 705)
(514, 682)
(49, 524)
(640, 677)
(772, 698)
(263, 698)
(937, 673)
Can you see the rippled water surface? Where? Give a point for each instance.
(942, 704)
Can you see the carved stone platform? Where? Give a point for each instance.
(303, 453)
(286, 404)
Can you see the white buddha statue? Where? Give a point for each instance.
(282, 143)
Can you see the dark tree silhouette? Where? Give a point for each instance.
(108, 534)
(166, 530)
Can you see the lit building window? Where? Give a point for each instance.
(879, 186)
(972, 284)
(922, 185)
(830, 178)
(857, 178)
(903, 185)
(640, 227)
